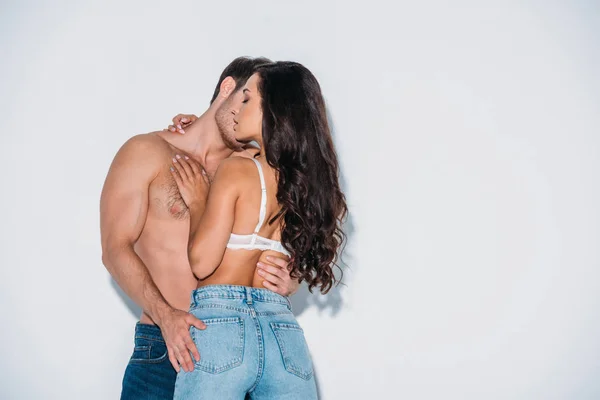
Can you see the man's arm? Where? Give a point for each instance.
(123, 211)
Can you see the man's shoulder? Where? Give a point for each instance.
(150, 142)
(147, 148)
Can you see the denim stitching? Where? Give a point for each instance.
(212, 369)
(221, 320)
(239, 296)
(152, 339)
(149, 360)
(203, 306)
(288, 362)
(261, 360)
(283, 325)
(272, 313)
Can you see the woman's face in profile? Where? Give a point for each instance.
(249, 119)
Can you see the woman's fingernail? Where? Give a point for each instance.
(182, 131)
(260, 272)
(260, 264)
(174, 160)
(184, 120)
(269, 258)
(178, 156)
(187, 158)
(178, 126)
(172, 169)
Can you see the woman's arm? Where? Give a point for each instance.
(212, 228)
(211, 221)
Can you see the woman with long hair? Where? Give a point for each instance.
(286, 200)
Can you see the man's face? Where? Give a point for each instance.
(224, 117)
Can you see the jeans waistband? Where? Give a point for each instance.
(249, 294)
(147, 331)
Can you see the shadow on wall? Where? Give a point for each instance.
(133, 308)
(332, 302)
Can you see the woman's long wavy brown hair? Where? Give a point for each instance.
(298, 145)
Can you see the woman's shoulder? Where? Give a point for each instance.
(236, 170)
(236, 165)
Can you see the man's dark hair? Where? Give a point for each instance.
(240, 70)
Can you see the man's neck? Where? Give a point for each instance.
(202, 141)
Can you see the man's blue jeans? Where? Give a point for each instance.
(149, 374)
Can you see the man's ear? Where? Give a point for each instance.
(227, 87)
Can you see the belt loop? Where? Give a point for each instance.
(248, 295)
(193, 299)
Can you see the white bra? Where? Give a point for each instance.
(255, 241)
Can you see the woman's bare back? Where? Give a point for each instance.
(238, 266)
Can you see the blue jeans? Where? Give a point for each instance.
(252, 346)
(149, 374)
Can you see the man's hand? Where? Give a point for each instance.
(277, 276)
(175, 327)
(181, 121)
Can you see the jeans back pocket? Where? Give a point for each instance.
(294, 350)
(221, 344)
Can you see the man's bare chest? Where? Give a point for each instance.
(165, 199)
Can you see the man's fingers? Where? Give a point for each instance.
(173, 359)
(186, 359)
(281, 262)
(274, 279)
(191, 346)
(196, 322)
(271, 287)
(277, 271)
(180, 359)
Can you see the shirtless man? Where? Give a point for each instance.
(145, 229)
